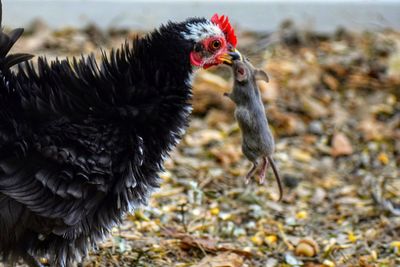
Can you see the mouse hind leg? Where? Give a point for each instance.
(251, 172)
(263, 169)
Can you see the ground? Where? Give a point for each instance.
(333, 105)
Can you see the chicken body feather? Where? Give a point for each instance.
(82, 142)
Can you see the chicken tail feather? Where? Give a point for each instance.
(6, 43)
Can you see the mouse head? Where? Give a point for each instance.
(243, 71)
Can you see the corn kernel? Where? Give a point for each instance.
(396, 246)
(301, 215)
(257, 240)
(383, 158)
(352, 237)
(328, 263)
(271, 239)
(214, 211)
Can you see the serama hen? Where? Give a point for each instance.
(82, 142)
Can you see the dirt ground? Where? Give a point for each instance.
(333, 105)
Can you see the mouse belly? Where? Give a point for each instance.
(257, 141)
(252, 148)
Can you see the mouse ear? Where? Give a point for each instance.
(241, 74)
(261, 75)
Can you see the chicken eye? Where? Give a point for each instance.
(215, 45)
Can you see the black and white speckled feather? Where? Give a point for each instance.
(82, 142)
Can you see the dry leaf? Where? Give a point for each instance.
(216, 117)
(208, 90)
(331, 82)
(372, 129)
(285, 122)
(204, 137)
(313, 107)
(269, 91)
(227, 154)
(204, 243)
(226, 259)
(212, 80)
(301, 155)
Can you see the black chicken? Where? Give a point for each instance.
(82, 143)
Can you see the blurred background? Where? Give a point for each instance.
(256, 15)
(332, 103)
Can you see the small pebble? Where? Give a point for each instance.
(292, 260)
(316, 127)
(290, 181)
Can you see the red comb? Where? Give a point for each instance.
(226, 27)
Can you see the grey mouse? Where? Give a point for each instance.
(257, 141)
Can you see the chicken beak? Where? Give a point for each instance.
(230, 56)
(235, 55)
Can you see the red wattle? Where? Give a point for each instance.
(195, 59)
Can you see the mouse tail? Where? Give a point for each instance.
(277, 177)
